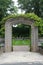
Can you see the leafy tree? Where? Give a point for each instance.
(6, 7)
(35, 6)
(21, 30)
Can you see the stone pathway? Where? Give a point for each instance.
(21, 58)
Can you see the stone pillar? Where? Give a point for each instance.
(34, 38)
(8, 37)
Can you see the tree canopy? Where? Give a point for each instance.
(21, 30)
(35, 6)
(6, 7)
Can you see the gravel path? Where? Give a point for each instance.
(21, 58)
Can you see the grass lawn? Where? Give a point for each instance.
(20, 42)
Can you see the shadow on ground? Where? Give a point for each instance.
(24, 63)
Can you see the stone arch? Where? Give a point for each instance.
(8, 33)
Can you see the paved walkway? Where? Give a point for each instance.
(21, 58)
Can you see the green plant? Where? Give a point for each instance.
(41, 44)
(30, 16)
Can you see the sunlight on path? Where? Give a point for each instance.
(20, 57)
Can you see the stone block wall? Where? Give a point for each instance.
(2, 45)
(40, 41)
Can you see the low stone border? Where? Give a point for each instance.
(2, 50)
(21, 48)
(40, 50)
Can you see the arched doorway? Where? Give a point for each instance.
(21, 37)
(8, 33)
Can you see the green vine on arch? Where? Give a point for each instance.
(31, 16)
(37, 20)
